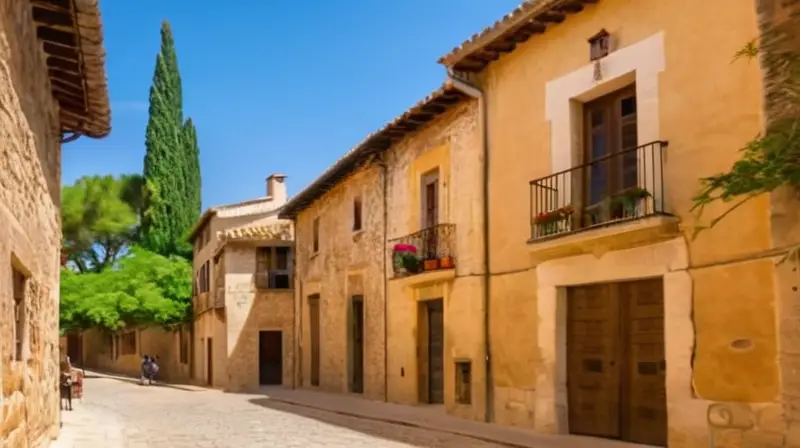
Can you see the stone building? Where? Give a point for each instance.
(410, 189)
(574, 299)
(52, 90)
(243, 299)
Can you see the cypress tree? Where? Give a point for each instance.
(193, 177)
(171, 157)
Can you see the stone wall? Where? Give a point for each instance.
(30, 239)
(347, 263)
(98, 354)
(451, 144)
(249, 311)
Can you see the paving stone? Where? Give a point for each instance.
(118, 414)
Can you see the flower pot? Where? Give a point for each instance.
(446, 263)
(431, 265)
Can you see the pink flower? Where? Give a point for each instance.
(405, 248)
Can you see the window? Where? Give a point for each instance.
(273, 267)
(610, 128)
(203, 282)
(463, 382)
(357, 214)
(20, 282)
(315, 236)
(128, 343)
(430, 199)
(183, 348)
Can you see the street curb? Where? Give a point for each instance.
(399, 422)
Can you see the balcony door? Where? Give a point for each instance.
(610, 128)
(430, 213)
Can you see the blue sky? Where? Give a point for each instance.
(273, 85)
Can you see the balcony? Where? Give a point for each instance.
(201, 303)
(426, 252)
(616, 197)
(219, 298)
(273, 279)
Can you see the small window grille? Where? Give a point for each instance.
(464, 382)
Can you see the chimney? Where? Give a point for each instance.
(276, 188)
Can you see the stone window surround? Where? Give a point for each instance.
(641, 63)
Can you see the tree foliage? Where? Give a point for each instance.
(171, 163)
(143, 289)
(100, 217)
(771, 160)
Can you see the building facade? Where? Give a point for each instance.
(567, 162)
(243, 294)
(42, 108)
(606, 317)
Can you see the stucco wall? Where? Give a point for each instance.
(706, 108)
(452, 144)
(248, 311)
(30, 238)
(210, 324)
(97, 354)
(348, 263)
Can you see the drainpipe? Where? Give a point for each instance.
(385, 181)
(474, 91)
(298, 316)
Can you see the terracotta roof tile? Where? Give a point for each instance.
(278, 231)
(523, 16)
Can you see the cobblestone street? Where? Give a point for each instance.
(118, 413)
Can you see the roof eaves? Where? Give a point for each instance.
(529, 18)
(408, 122)
(72, 39)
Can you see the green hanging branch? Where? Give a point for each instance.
(772, 159)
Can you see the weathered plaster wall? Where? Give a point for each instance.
(691, 95)
(210, 324)
(30, 238)
(452, 144)
(248, 311)
(348, 263)
(97, 354)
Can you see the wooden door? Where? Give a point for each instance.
(210, 360)
(616, 368)
(435, 351)
(593, 372)
(611, 128)
(270, 358)
(313, 313)
(357, 344)
(644, 409)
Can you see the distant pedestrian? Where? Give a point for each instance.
(145, 368)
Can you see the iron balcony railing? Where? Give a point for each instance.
(427, 250)
(619, 187)
(274, 279)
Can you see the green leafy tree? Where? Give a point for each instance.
(143, 289)
(171, 163)
(100, 217)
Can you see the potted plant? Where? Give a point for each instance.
(631, 201)
(553, 221)
(431, 264)
(405, 258)
(446, 262)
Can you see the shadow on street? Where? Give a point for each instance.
(396, 432)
